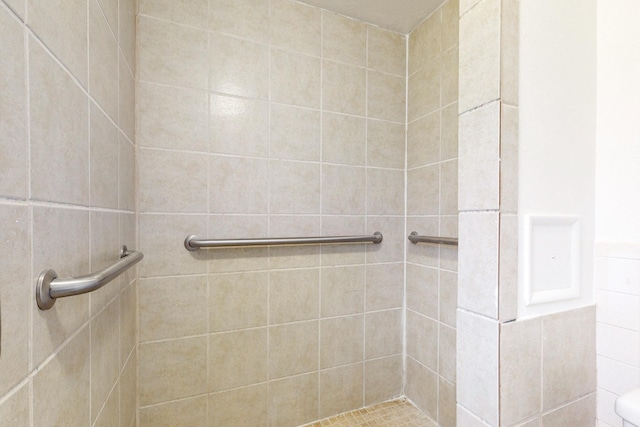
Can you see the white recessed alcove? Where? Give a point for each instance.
(551, 258)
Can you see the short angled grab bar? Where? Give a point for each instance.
(49, 287)
(414, 238)
(192, 243)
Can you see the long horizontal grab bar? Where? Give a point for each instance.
(192, 243)
(414, 237)
(49, 287)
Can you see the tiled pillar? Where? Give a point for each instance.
(487, 283)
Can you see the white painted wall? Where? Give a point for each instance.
(557, 148)
(618, 204)
(618, 152)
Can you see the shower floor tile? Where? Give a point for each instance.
(396, 413)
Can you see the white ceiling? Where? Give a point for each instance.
(397, 15)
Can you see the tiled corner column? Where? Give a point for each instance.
(487, 202)
(510, 372)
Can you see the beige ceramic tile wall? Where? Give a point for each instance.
(432, 193)
(67, 201)
(524, 373)
(268, 118)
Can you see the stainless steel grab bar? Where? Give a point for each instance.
(192, 243)
(49, 287)
(414, 238)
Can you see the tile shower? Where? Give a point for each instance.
(251, 118)
(278, 136)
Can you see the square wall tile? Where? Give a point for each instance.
(103, 62)
(172, 307)
(59, 132)
(171, 370)
(447, 353)
(341, 389)
(477, 366)
(423, 141)
(422, 290)
(569, 358)
(237, 359)
(479, 55)
(383, 379)
(63, 29)
(295, 187)
(450, 24)
(508, 304)
(478, 251)
(160, 237)
(105, 251)
(422, 388)
(449, 76)
(344, 39)
(385, 192)
(479, 159)
(238, 67)
(182, 185)
(104, 160)
(341, 341)
(383, 333)
(243, 407)
(60, 242)
(386, 51)
(342, 290)
(172, 54)
(172, 116)
(294, 133)
(63, 379)
(13, 110)
(345, 190)
(344, 88)
(520, 370)
(449, 132)
(105, 360)
(351, 254)
(238, 126)
(422, 339)
(386, 97)
(244, 18)
(293, 401)
(424, 90)
(384, 286)
(294, 78)
(344, 139)
(392, 228)
(509, 159)
(238, 185)
(289, 18)
(425, 41)
(293, 349)
(385, 144)
(237, 301)
(126, 174)
(293, 295)
(423, 190)
(509, 50)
